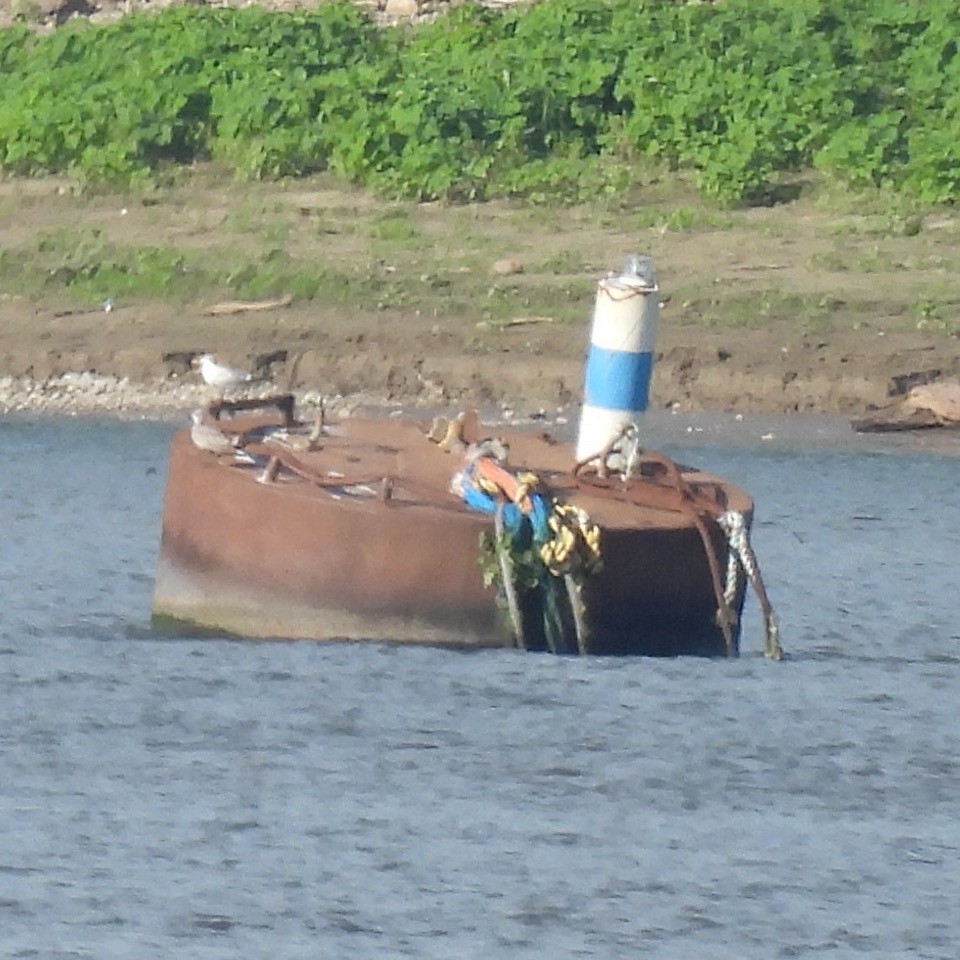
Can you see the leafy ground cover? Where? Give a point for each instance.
(567, 98)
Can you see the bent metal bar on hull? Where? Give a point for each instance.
(350, 530)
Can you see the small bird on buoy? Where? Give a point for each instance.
(207, 437)
(216, 374)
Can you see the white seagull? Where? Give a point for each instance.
(220, 375)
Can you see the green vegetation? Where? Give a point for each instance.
(89, 267)
(330, 249)
(346, 253)
(574, 99)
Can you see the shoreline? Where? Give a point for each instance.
(139, 364)
(678, 386)
(73, 394)
(88, 396)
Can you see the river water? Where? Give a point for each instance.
(215, 799)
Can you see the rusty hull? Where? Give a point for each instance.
(338, 559)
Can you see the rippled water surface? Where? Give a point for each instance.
(214, 799)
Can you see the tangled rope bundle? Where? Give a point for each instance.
(539, 544)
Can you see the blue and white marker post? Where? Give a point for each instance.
(620, 359)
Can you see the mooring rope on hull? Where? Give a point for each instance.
(486, 485)
(700, 508)
(541, 546)
(742, 559)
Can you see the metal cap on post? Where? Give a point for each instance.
(620, 358)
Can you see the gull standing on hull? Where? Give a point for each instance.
(207, 437)
(219, 375)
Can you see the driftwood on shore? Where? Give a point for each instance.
(926, 406)
(227, 307)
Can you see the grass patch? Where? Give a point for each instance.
(757, 309)
(211, 238)
(86, 267)
(683, 218)
(395, 225)
(859, 261)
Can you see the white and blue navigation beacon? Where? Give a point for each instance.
(620, 358)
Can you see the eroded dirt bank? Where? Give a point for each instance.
(137, 359)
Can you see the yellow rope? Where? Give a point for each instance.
(575, 547)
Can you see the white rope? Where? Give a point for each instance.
(630, 448)
(742, 557)
(732, 524)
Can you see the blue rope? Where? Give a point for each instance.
(523, 529)
(482, 502)
(538, 516)
(513, 516)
